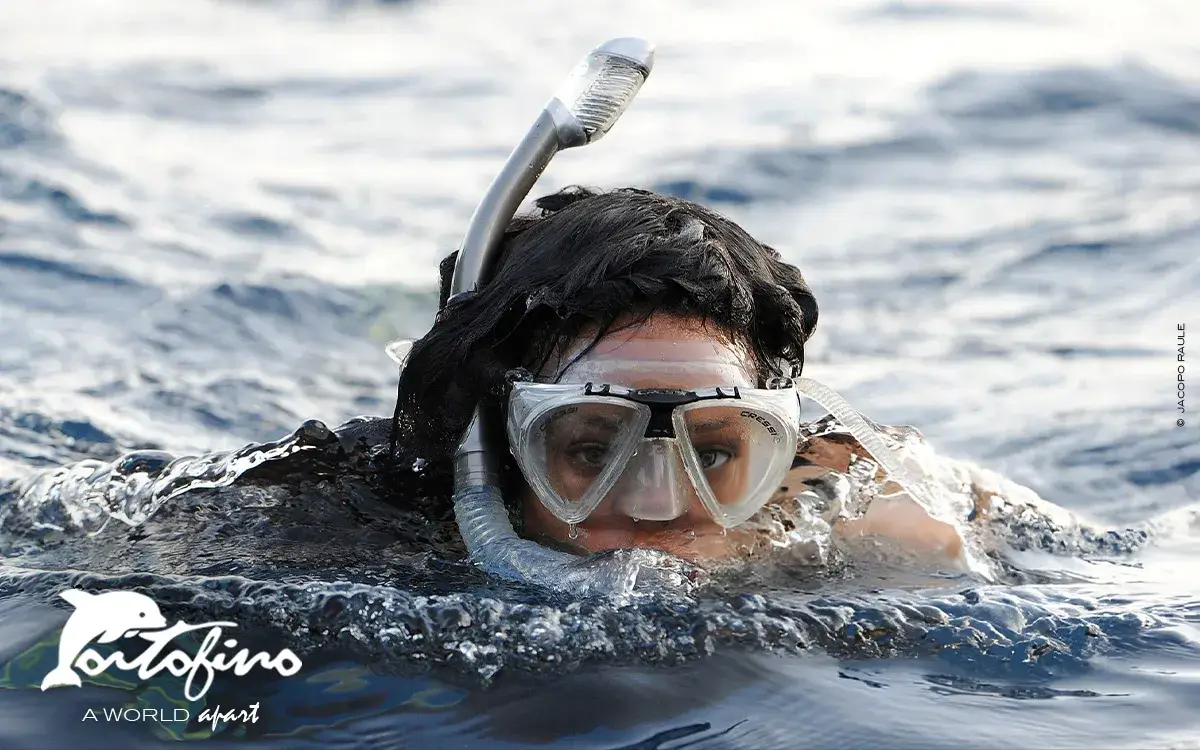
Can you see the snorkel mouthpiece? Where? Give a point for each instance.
(585, 107)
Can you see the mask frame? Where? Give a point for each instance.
(653, 414)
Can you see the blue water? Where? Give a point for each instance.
(214, 214)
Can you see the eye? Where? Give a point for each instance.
(141, 614)
(711, 458)
(589, 455)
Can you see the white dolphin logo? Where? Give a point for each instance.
(106, 617)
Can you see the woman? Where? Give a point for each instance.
(641, 350)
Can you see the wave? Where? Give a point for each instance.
(970, 114)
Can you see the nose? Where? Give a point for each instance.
(655, 485)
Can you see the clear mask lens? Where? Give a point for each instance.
(572, 451)
(737, 454)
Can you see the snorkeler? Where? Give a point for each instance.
(625, 367)
(641, 352)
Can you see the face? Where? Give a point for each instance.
(653, 503)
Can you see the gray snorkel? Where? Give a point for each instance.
(599, 89)
(585, 108)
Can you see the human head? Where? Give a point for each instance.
(590, 268)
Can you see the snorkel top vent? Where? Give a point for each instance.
(600, 88)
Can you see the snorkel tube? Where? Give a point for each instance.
(585, 108)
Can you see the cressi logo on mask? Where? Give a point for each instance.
(105, 618)
(764, 422)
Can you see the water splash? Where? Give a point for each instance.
(476, 637)
(344, 559)
(83, 497)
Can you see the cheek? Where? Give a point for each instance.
(537, 519)
(729, 481)
(541, 522)
(706, 541)
(568, 480)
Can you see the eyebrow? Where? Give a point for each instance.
(709, 425)
(612, 424)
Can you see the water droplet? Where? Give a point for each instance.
(573, 532)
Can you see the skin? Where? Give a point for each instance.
(694, 535)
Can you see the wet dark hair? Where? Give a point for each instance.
(582, 261)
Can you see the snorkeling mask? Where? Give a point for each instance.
(652, 428)
(652, 452)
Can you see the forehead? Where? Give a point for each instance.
(657, 355)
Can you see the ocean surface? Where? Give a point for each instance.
(214, 214)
